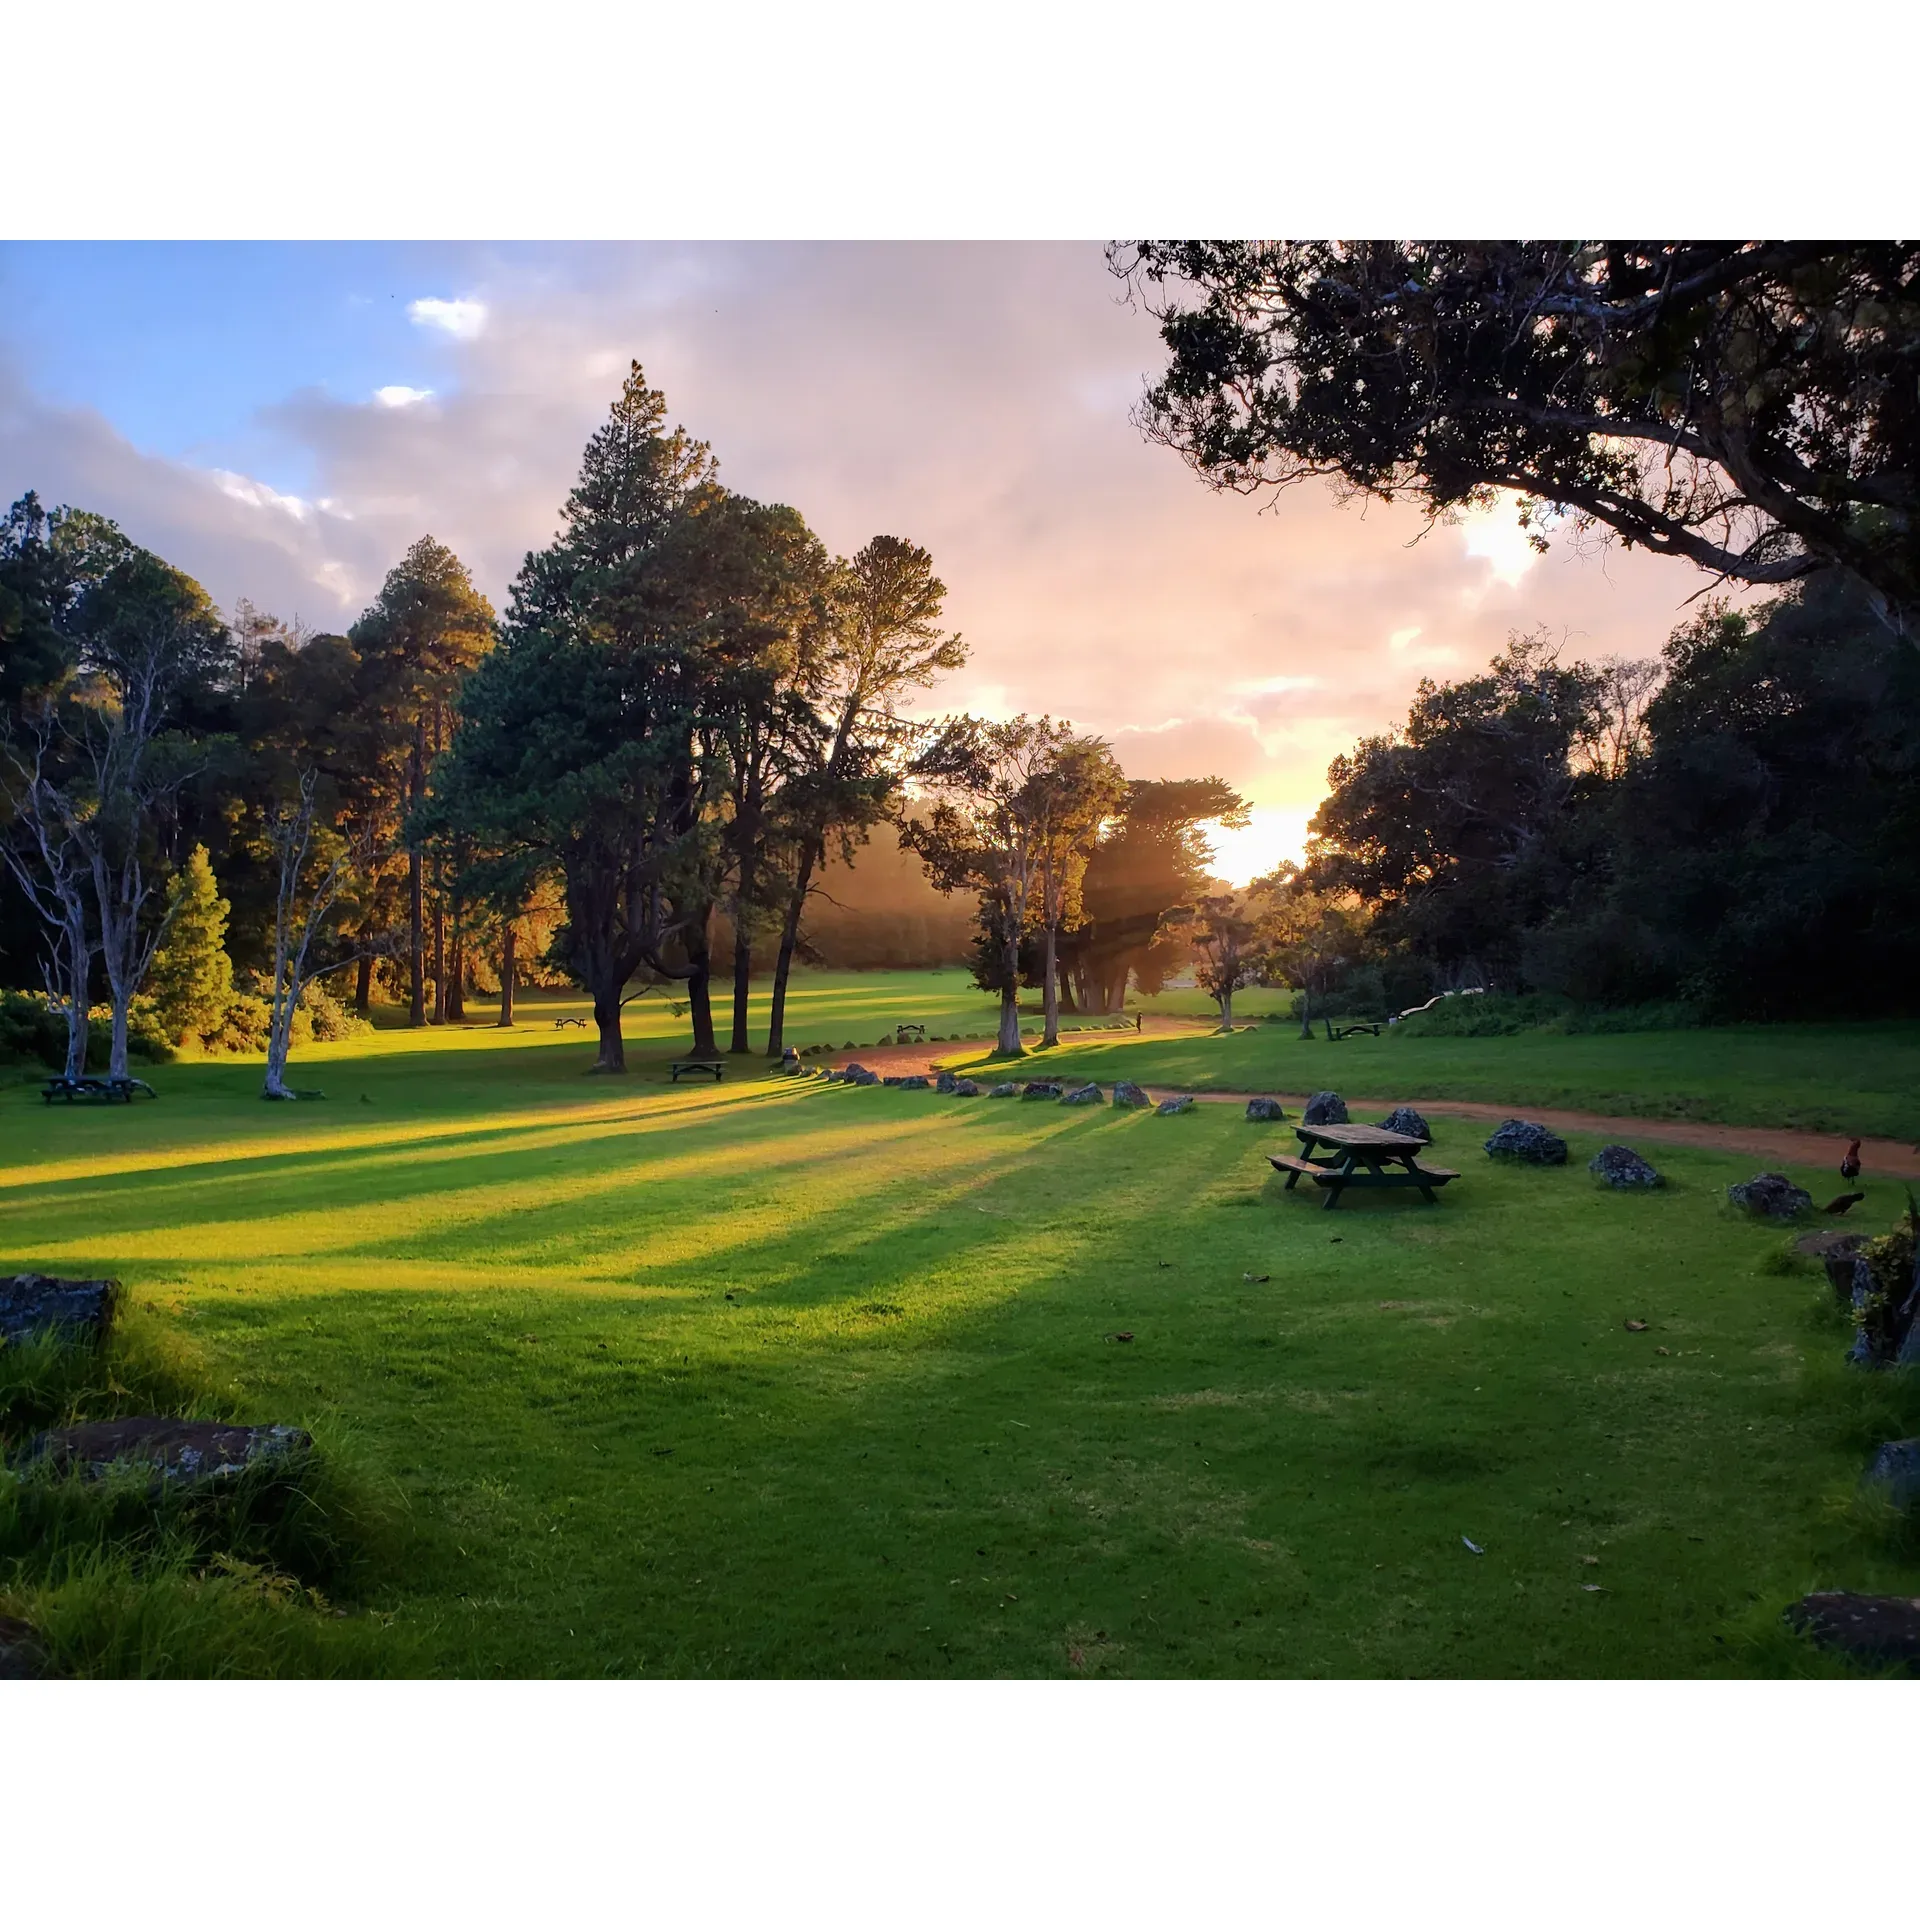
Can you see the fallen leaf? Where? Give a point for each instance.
(1587, 1589)
(1589, 1559)
(1636, 1326)
(1123, 1337)
(1470, 1547)
(1661, 1350)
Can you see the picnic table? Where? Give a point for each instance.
(571, 1020)
(716, 1068)
(88, 1086)
(1359, 1156)
(1347, 1032)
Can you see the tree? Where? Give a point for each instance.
(885, 640)
(1309, 936)
(985, 833)
(1148, 866)
(576, 744)
(50, 864)
(1231, 948)
(191, 979)
(1076, 793)
(425, 633)
(1747, 405)
(310, 874)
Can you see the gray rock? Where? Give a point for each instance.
(1127, 1094)
(1895, 1472)
(1042, 1090)
(861, 1075)
(1180, 1103)
(23, 1655)
(1877, 1629)
(907, 1081)
(1087, 1096)
(1325, 1110)
(1005, 1090)
(967, 1089)
(1261, 1108)
(179, 1451)
(944, 1082)
(1406, 1120)
(1528, 1141)
(1622, 1168)
(1770, 1196)
(32, 1303)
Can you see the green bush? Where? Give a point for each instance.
(1479, 1016)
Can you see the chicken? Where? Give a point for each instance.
(1845, 1201)
(1850, 1163)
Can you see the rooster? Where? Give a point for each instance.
(1850, 1163)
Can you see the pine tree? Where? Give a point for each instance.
(191, 980)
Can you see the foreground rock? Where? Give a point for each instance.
(1877, 1629)
(1895, 1472)
(23, 1655)
(1406, 1120)
(1042, 1090)
(1622, 1169)
(1325, 1110)
(945, 1082)
(1261, 1108)
(180, 1451)
(1884, 1295)
(1770, 1196)
(907, 1080)
(860, 1075)
(35, 1303)
(1836, 1252)
(1180, 1103)
(967, 1089)
(1087, 1096)
(1128, 1093)
(1528, 1142)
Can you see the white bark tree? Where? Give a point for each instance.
(306, 894)
(53, 875)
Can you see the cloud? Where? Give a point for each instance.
(463, 319)
(402, 396)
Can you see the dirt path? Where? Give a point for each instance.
(1767, 1144)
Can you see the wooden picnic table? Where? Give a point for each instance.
(90, 1086)
(715, 1068)
(1359, 1156)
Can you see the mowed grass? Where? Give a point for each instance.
(1863, 1079)
(779, 1378)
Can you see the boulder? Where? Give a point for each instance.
(180, 1451)
(1895, 1472)
(1823, 1246)
(1622, 1169)
(1005, 1090)
(1406, 1120)
(1127, 1093)
(1876, 1629)
(1087, 1096)
(1527, 1141)
(23, 1655)
(32, 1303)
(944, 1081)
(1261, 1108)
(906, 1081)
(1180, 1103)
(1325, 1110)
(860, 1075)
(1042, 1090)
(967, 1089)
(1770, 1196)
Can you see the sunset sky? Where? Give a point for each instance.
(282, 421)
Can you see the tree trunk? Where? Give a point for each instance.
(742, 974)
(700, 993)
(78, 962)
(1008, 1042)
(457, 975)
(1050, 991)
(1067, 1002)
(439, 956)
(363, 986)
(117, 1044)
(783, 966)
(416, 886)
(1225, 997)
(508, 941)
(606, 1016)
(1306, 1015)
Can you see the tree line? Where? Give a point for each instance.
(687, 713)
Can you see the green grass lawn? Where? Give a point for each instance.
(782, 1378)
(1864, 1079)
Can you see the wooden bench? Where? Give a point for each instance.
(681, 1068)
(571, 1020)
(1359, 1156)
(93, 1087)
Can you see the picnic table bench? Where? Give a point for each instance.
(1347, 1032)
(88, 1086)
(1359, 1156)
(909, 1026)
(716, 1068)
(571, 1020)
